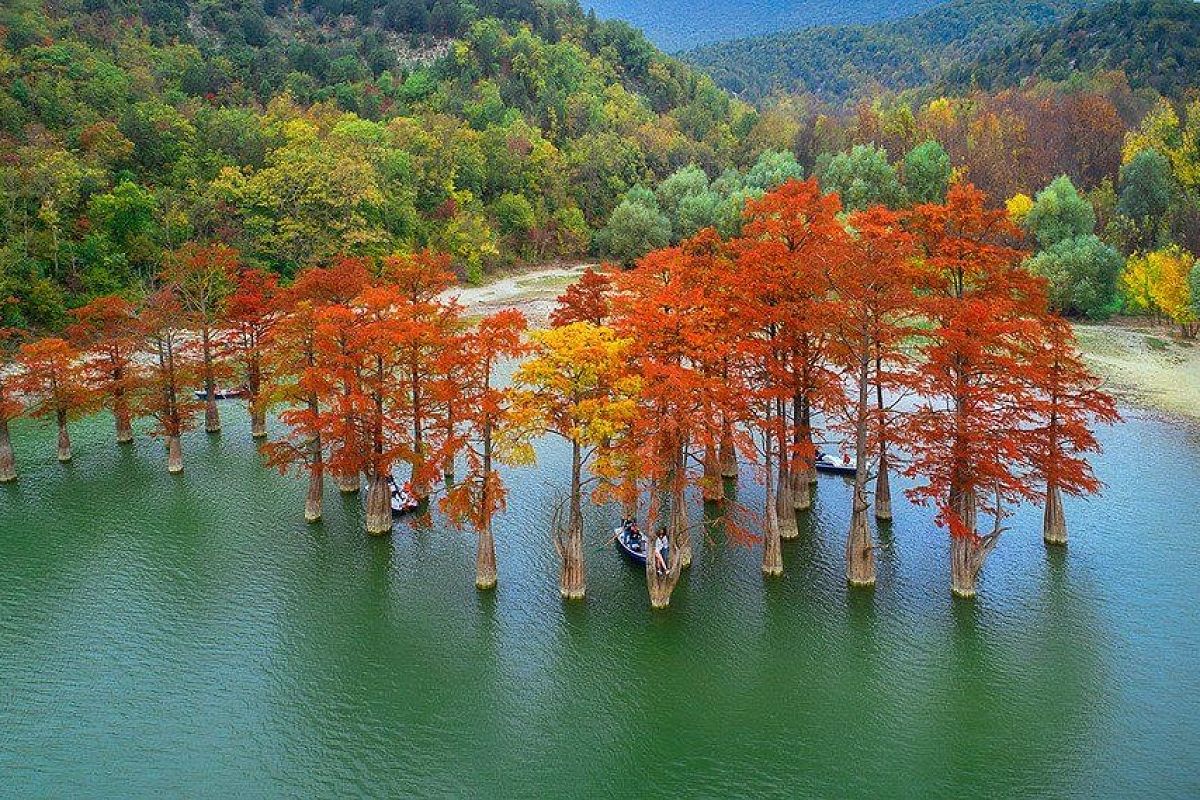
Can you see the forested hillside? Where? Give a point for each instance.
(841, 63)
(299, 132)
(1155, 43)
(678, 24)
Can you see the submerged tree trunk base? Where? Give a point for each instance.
(258, 424)
(772, 560)
(572, 583)
(967, 554)
(712, 485)
(485, 559)
(379, 506)
(347, 484)
(124, 428)
(785, 506)
(8, 463)
(174, 455)
(1054, 525)
(727, 456)
(212, 417)
(860, 550)
(314, 502)
(64, 444)
(883, 492)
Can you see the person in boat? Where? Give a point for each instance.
(662, 549)
(634, 534)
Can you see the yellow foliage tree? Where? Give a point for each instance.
(1172, 291)
(575, 386)
(1019, 206)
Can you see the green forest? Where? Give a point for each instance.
(504, 134)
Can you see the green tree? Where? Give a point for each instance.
(1147, 194)
(1082, 275)
(1059, 213)
(634, 229)
(863, 178)
(927, 173)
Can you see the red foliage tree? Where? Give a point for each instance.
(106, 330)
(202, 276)
(251, 311)
(874, 303)
(1066, 401)
(421, 279)
(586, 300)
(52, 378)
(975, 379)
(487, 413)
(173, 367)
(298, 380)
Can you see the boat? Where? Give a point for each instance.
(635, 552)
(403, 501)
(222, 394)
(825, 463)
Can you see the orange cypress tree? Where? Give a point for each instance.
(173, 366)
(796, 229)
(52, 377)
(485, 423)
(874, 303)
(202, 275)
(1066, 402)
(298, 380)
(974, 380)
(675, 326)
(586, 300)
(421, 279)
(106, 331)
(250, 311)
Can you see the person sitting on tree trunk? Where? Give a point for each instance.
(662, 547)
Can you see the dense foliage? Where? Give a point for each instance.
(298, 132)
(1155, 42)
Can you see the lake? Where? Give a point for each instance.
(192, 636)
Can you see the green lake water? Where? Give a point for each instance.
(191, 636)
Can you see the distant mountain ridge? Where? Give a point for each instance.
(1155, 42)
(676, 25)
(838, 63)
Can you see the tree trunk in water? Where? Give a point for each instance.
(314, 502)
(347, 483)
(123, 419)
(485, 558)
(680, 536)
(212, 417)
(883, 490)
(64, 439)
(785, 504)
(772, 560)
(860, 550)
(661, 586)
(379, 506)
(8, 464)
(1054, 528)
(258, 422)
(572, 581)
(174, 455)
(728, 455)
(713, 487)
(969, 551)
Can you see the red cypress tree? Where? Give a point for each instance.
(484, 424)
(586, 300)
(975, 378)
(106, 330)
(250, 312)
(1066, 402)
(173, 366)
(52, 378)
(10, 406)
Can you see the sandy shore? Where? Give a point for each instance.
(533, 292)
(1145, 366)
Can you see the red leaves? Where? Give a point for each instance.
(586, 300)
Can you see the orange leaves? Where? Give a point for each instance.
(586, 300)
(52, 377)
